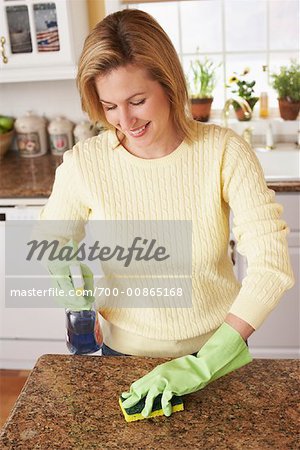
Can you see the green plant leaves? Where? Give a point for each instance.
(287, 81)
(201, 78)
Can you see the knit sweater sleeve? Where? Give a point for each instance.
(259, 230)
(67, 209)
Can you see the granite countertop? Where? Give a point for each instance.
(34, 177)
(284, 186)
(71, 402)
(27, 177)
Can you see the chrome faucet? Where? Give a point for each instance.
(241, 102)
(269, 138)
(247, 135)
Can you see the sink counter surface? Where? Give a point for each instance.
(280, 164)
(71, 402)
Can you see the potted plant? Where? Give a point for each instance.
(287, 85)
(244, 89)
(201, 81)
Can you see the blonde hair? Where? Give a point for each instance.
(126, 37)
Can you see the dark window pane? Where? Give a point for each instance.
(19, 29)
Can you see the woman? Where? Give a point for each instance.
(156, 163)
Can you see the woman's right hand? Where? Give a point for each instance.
(62, 280)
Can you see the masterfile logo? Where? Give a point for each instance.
(144, 252)
(134, 263)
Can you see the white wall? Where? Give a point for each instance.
(49, 98)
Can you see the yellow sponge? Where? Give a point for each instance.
(134, 413)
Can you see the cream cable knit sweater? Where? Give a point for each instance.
(201, 183)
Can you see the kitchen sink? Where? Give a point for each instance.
(281, 163)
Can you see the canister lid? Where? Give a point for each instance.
(29, 123)
(60, 125)
(84, 129)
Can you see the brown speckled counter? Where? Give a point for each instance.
(71, 402)
(33, 177)
(27, 177)
(284, 186)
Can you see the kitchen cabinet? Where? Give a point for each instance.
(26, 333)
(278, 336)
(41, 40)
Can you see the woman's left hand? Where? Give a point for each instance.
(177, 377)
(224, 352)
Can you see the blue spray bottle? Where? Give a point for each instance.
(83, 332)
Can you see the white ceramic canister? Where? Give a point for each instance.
(84, 130)
(61, 136)
(31, 135)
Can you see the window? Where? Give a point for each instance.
(238, 33)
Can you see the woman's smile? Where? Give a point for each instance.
(139, 132)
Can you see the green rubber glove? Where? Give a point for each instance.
(61, 277)
(224, 352)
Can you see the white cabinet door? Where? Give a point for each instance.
(278, 336)
(26, 333)
(41, 40)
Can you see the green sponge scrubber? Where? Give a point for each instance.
(134, 412)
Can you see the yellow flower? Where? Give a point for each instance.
(233, 79)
